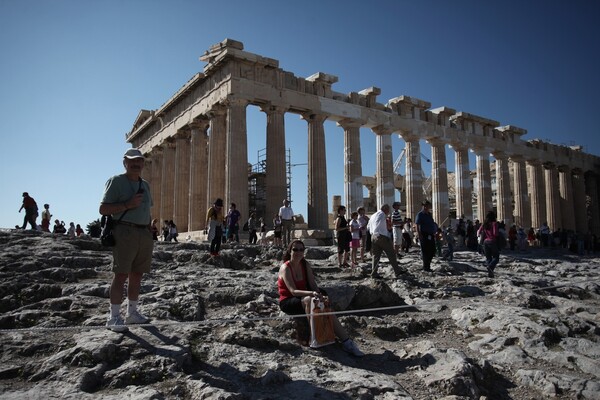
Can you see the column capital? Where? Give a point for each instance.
(549, 165)
(382, 130)
(235, 101)
(500, 155)
(458, 146)
(200, 124)
(217, 110)
(564, 168)
(183, 134)
(408, 136)
(270, 108)
(314, 118)
(350, 123)
(434, 141)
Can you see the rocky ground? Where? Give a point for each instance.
(532, 332)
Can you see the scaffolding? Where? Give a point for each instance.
(257, 186)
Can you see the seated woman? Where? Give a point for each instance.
(297, 287)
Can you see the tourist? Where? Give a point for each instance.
(127, 198)
(165, 230)
(31, 211)
(233, 227)
(154, 229)
(297, 288)
(439, 241)
(263, 232)
(397, 223)
(450, 242)
(277, 228)
(252, 238)
(172, 232)
(46, 218)
(545, 234)
(78, 230)
(287, 221)
(363, 220)
(343, 237)
(71, 231)
(489, 229)
(426, 229)
(381, 241)
(407, 235)
(512, 237)
(214, 227)
(355, 241)
(59, 227)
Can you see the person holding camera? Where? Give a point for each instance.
(127, 198)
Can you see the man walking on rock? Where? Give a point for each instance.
(127, 198)
(287, 222)
(381, 241)
(31, 211)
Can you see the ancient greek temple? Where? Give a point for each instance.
(196, 146)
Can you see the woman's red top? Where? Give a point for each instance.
(284, 292)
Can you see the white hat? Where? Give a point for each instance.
(133, 153)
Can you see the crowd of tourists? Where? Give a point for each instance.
(32, 213)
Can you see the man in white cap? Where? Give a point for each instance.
(287, 221)
(127, 198)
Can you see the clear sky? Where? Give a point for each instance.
(74, 75)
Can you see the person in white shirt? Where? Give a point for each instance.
(379, 226)
(287, 221)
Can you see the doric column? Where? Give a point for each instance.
(167, 181)
(503, 197)
(198, 204)
(216, 153)
(567, 206)
(591, 190)
(553, 216)
(522, 212)
(581, 218)
(236, 165)
(276, 180)
(353, 193)
(384, 166)
(464, 202)
(413, 176)
(317, 172)
(439, 183)
(536, 193)
(155, 188)
(484, 188)
(181, 193)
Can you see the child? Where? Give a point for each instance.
(263, 232)
(355, 243)
(450, 241)
(439, 240)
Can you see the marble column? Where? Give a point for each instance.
(484, 189)
(536, 193)
(553, 216)
(591, 190)
(317, 173)
(581, 217)
(236, 165)
(464, 190)
(439, 183)
(522, 212)
(276, 179)
(413, 176)
(567, 205)
(384, 166)
(503, 196)
(353, 188)
(155, 187)
(182, 181)
(216, 153)
(167, 181)
(198, 204)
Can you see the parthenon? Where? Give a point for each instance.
(196, 146)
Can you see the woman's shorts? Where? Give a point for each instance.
(292, 306)
(355, 244)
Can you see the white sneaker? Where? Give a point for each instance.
(116, 324)
(350, 347)
(135, 318)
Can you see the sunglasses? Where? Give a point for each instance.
(296, 249)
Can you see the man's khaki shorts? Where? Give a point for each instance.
(133, 249)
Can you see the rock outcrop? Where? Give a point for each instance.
(217, 333)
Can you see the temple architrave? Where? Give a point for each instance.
(196, 146)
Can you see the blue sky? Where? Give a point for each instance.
(75, 74)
